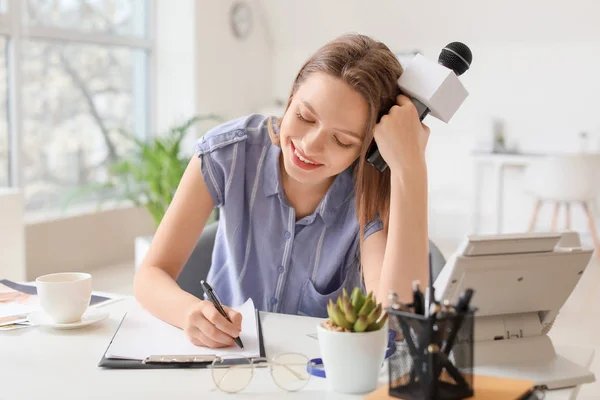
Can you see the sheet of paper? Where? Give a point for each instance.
(9, 310)
(141, 335)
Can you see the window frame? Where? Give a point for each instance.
(11, 26)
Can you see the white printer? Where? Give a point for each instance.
(520, 283)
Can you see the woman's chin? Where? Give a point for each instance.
(302, 176)
(299, 175)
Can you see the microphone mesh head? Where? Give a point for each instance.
(456, 56)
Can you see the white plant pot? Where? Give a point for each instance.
(352, 360)
(142, 245)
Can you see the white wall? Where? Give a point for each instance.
(175, 69)
(233, 75)
(85, 242)
(12, 235)
(535, 65)
(175, 72)
(201, 67)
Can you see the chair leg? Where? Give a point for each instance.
(555, 216)
(567, 216)
(534, 215)
(592, 227)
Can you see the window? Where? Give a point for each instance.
(83, 76)
(113, 17)
(75, 97)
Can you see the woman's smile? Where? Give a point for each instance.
(303, 161)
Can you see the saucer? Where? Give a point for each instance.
(91, 316)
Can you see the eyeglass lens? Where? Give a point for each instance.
(232, 374)
(290, 371)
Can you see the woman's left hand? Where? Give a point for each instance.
(401, 137)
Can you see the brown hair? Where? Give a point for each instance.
(371, 69)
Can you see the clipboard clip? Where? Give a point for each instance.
(183, 359)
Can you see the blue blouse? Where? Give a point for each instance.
(261, 251)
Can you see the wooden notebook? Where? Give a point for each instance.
(485, 388)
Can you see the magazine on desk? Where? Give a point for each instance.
(17, 300)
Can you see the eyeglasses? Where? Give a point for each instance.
(290, 371)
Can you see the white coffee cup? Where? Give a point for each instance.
(65, 296)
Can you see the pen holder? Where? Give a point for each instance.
(434, 361)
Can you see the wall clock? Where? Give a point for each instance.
(240, 19)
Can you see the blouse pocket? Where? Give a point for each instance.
(314, 304)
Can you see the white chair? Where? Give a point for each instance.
(563, 180)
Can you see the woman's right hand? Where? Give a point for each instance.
(205, 326)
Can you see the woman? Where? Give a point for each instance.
(295, 197)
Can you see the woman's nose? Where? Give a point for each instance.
(313, 141)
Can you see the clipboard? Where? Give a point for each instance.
(166, 361)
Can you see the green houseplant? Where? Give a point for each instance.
(149, 175)
(353, 342)
(355, 313)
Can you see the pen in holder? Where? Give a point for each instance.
(435, 358)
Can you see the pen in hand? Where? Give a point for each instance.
(208, 290)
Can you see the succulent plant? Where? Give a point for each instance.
(355, 313)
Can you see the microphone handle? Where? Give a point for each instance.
(421, 108)
(373, 156)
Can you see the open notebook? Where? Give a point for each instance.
(144, 341)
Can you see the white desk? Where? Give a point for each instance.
(38, 363)
(499, 162)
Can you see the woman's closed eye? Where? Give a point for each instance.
(344, 145)
(300, 117)
(337, 141)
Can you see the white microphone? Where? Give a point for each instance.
(434, 88)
